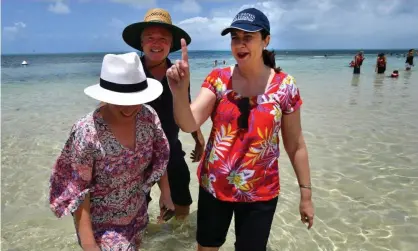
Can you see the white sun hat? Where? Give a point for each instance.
(123, 81)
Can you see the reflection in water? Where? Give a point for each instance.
(407, 76)
(355, 80)
(378, 84)
(355, 91)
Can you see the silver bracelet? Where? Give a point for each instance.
(305, 186)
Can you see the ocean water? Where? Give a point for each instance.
(361, 132)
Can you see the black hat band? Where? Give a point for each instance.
(124, 88)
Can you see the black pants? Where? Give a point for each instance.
(381, 70)
(178, 177)
(356, 70)
(252, 222)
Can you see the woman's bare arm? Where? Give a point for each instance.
(294, 144)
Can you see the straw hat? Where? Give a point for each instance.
(132, 33)
(123, 81)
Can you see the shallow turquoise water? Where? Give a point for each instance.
(361, 131)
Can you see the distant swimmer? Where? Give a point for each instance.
(215, 63)
(394, 74)
(409, 62)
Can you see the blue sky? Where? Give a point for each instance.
(95, 25)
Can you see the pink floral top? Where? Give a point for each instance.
(242, 165)
(94, 162)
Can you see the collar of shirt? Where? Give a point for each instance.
(148, 73)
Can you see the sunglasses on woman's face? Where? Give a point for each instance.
(244, 109)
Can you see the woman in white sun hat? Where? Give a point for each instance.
(101, 175)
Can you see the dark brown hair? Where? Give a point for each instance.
(269, 58)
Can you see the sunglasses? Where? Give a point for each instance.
(244, 109)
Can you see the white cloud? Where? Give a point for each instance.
(59, 7)
(188, 6)
(204, 31)
(316, 24)
(11, 32)
(220, 1)
(112, 32)
(388, 6)
(140, 4)
(117, 23)
(307, 27)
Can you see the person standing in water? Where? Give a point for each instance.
(111, 159)
(409, 62)
(380, 64)
(249, 104)
(156, 37)
(215, 63)
(358, 61)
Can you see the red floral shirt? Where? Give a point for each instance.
(242, 166)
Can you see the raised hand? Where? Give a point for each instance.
(178, 75)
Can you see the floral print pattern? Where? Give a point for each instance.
(117, 178)
(238, 165)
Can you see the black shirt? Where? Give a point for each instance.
(410, 60)
(163, 105)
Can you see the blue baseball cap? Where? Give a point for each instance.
(249, 20)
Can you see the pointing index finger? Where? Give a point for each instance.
(184, 53)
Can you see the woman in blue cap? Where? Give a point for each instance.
(248, 104)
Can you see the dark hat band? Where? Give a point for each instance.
(124, 88)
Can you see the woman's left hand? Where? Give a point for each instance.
(306, 212)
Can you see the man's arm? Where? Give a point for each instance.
(198, 137)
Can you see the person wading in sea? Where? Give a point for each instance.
(156, 37)
(358, 61)
(111, 158)
(249, 104)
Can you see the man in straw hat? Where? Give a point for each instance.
(156, 37)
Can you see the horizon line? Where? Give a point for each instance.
(198, 50)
